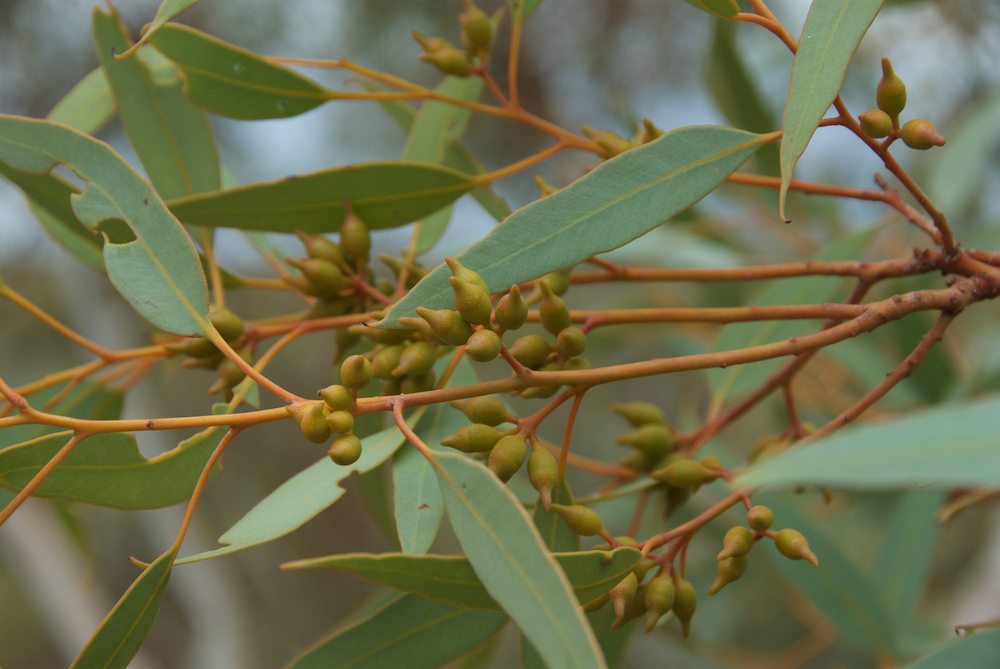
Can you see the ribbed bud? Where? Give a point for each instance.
(311, 419)
(729, 570)
(356, 372)
(449, 60)
(415, 359)
(530, 350)
(323, 279)
(337, 397)
(477, 29)
(543, 471)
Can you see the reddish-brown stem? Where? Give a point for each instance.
(574, 409)
(695, 523)
(711, 314)
(199, 485)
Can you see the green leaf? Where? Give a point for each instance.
(227, 80)
(108, 469)
(170, 135)
(831, 34)
(735, 92)
(978, 651)
(956, 174)
(383, 195)
(740, 379)
(556, 535)
(903, 566)
(451, 578)
(620, 200)
(838, 587)
(410, 632)
(725, 9)
(520, 10)
(167, 10)
(158, 271)
(437, 125)
(513, 564)
(87, 106)
(300, 498)
(948, 446)
(117, 640)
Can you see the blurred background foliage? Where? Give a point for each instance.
(606, 64)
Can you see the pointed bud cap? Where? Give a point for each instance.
(311, 419)
(318, 246)
(356, 372)
(794, 546)
(659, 599)
(890, 94)
(487, 409)
(447, 325)
(475, 438)
(579, 519)
(552, 310)
(571, 342)
(471, 301)
(512, 310)
(639, 413)
(622, 592)
(337, 397)
(543, 471)
(385, 360)
(920, 134)
(729, 570)
(736, 543)
(685, 604)
(875, 123)
(483, 345)
(477, 29)
(683, 474)
(415, 359)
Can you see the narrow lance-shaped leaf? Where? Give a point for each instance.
(952, 445)
(88, 105)
(383, 195)
(410, 632)
(513, 564)
(158, 271)
(620, 200)
(831, 34)
(171, 136)
(117, 640)
(451, 577)
(227, 80)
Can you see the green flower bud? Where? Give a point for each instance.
(430, 43)
(875, 123)
(488, 409)
(355, 239)
(685, 603)
(337, 397)
(640, 413)
(385, 360)
(449, 60)
(512, 310)
(683, 474)
(472, 301)
(530, 350)
(571, 342)
(596, 604)
(318, 246)
(228, 374)
(475, 438)
(760, 518)
(653, 439)
(729, 570)
(920, 134)
(378, 335)
(195, 347)
(323, 278)
(477, 29)
(648, 132)
(420, 325)
(465, 275)
(622, 592)
(659, 599)
(576, 364)
(391, 386)
(483, 345)
(311, 419)
(447, 325)
(611, 142)
(227, 323)
(890, 94)
(508, 455)
(737, 543)
(415, 359)
(579, 519)
(356, 372)
(635, 606)
(341, 422)
(794, 546)
(418, 383)
(553, 312)
(543, 471)
(345, 450)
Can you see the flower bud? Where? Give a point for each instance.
(385, 360)
(737, 543)
(685, 603)
(557, 282)
(195, 347)
(356, 372)
(323, 278)
(472, 302)
(890, 94)
(488, 409)
(920, 134)
(760, 518)
(228, 374)
(683, 474)
(430, 43)
(648, 132)
(477, 29)
(340, 422)
(447, 325)
(336, 397)
(611, 142)
(579, 519)
(415, 359)
(875, 123)
(337, 306)
(659, 599)
(483, 345)
(794, 546)
(508, 455)
(226, 323)
(543, 470)
(622, 592)
(345, 450)
(729, 570)
(576, 364)
(639, 413)
(355, 239)
(449, 60)
(530, 350)
(571, 342)
(318, 246)
(652, 439)
(512, 310)
(311, 419)
(552, 310)
(475, 438)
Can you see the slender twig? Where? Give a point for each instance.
(40, 476)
